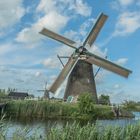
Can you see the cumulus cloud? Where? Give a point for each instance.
(50, 63)
(10, 12)
(122, 4)
(73, 6)
(52, 11)
(54, 17)
(127, 23)
(97, 50)
(125, 2)
(81, 33)
(31, 34)
(46, 6)
(122, 61)
(81, 8)
(86, 26)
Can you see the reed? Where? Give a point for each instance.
(44, 109)
(40, 109)
(77, 132)
(93, 132)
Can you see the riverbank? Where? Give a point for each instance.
(52, 109)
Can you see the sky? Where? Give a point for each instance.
(29, 59)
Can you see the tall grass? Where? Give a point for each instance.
(45, 109)
(40, 109)
(77, 132)
(93, 132)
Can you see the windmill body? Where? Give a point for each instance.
(79, 66)
(81, 80)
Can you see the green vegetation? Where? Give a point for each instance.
(3, 93)
(131, 105)
(93, 132)
(84, 109)
(86, 104)
(104, 99)
(76, 132)
(88, 109)
(40, 109)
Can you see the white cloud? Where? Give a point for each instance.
(81, 33)
(81, 8)
(125, 2)
(117, 86)
(31, 34)
(5, 48)
(127, 23)
(86, 26)
(121, 61)
(55, 17)
(10, 12)
(121, 5)
(37, 74)
(101, 75)
(28, 35)
(64, 50)
(23, 79)
(96, 50)
(73, 6)
(50, 63)
(53, 21)
(73, 35)
(46, 6)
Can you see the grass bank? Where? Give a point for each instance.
(40, 109)
(55, 109)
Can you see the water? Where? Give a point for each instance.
(121, 122)
(42, 127)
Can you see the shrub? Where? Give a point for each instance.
(86, 103)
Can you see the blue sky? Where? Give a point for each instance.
(28, 59)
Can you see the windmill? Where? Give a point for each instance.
(79, 66)
(46, 91)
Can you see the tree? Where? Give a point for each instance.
(104, 99)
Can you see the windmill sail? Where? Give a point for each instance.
(62, 76)
(58, 37)
(95, 30)
(104, 63)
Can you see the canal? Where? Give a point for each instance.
(41, 128)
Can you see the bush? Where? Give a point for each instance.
(86, 103)
(104, 99)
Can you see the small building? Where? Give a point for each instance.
(18, 95)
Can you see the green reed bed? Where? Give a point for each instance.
(44, 109)
(40, 109)
(77, 132)
(94, 132)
